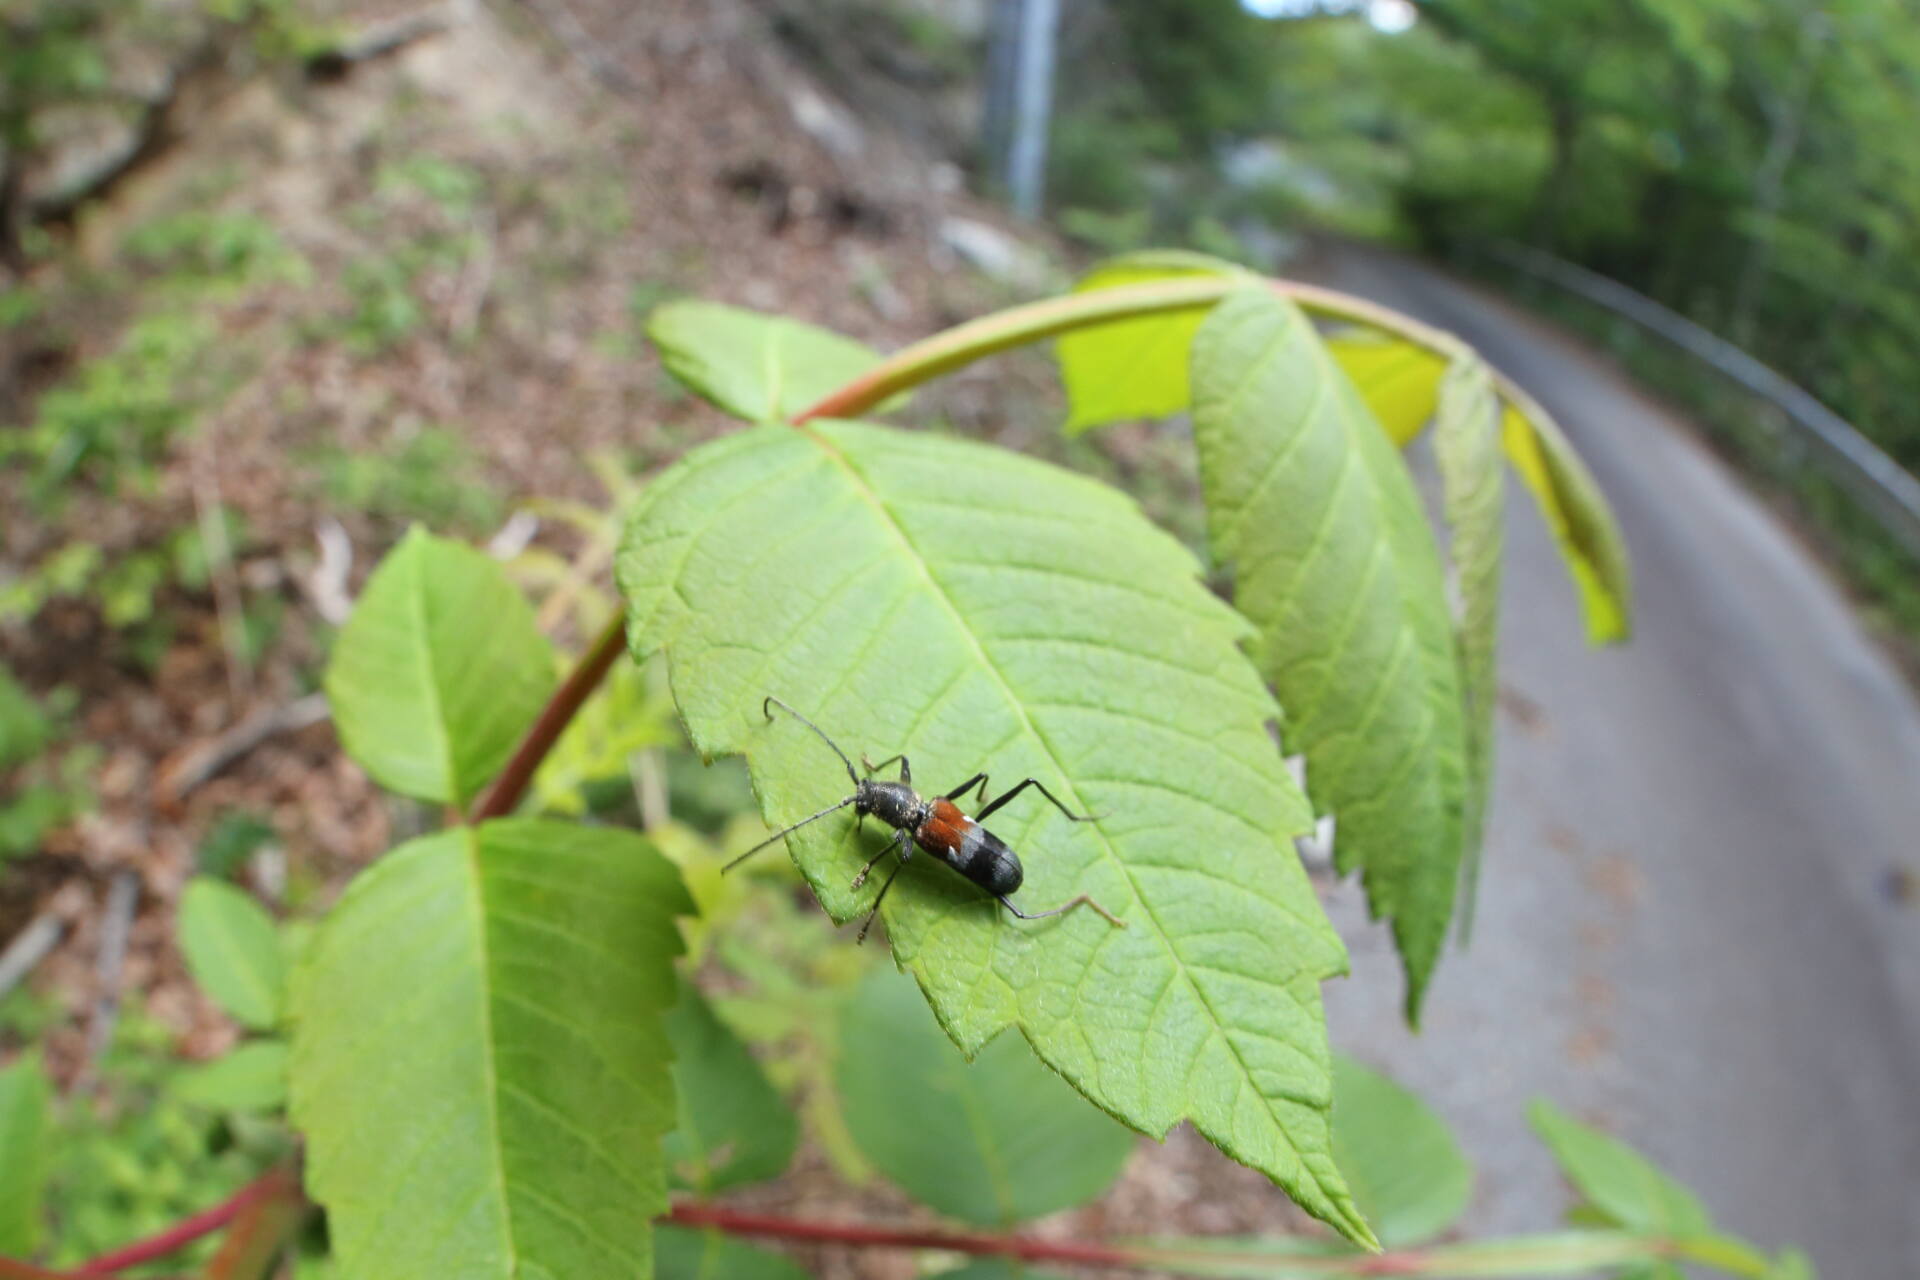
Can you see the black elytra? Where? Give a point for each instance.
(936, 826)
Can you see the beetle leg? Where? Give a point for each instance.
(882, 897)
(902, 844)
(1110, 918)
(1030, 782)
(906, 768)
(977, 780)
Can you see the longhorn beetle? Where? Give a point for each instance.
(936, 825)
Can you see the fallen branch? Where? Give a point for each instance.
(161, 123)
(203, 762)
(375, 42)
(116, 923)
(327, 584)
(28, 948)
(165, 117)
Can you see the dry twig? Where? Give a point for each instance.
(203, 761)
(28, 948)
(116, 922)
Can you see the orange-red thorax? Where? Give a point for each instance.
(944, 828)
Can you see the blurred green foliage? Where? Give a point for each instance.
(107, 427)
(114, 418)
(234, 837)
(133, 1156)
(126, 588)
(1200, 64)
(42, 786)
(430, 474)
(1748, 162)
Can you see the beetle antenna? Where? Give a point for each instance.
(786, 831)
(816, 728)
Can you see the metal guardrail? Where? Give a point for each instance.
(1861, 467)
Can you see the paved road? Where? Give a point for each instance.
(1684, 931)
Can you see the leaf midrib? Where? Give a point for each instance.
(436, 702)
(1230, 536)
(1407, 636)
(1407, 630)
(1218, 1027)
(240, 969)
(489, 1066)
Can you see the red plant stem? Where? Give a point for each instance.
(592, 668)
(1025, 1248)
(187, 1230)
(13, 1269)
(262, 1232)
(856, 1233)
(1144, 1256)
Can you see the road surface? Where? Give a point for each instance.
(1685, 932)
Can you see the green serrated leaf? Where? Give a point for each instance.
(1617, 1180)
(438, 671)
(251, 1078)
(1133, 368)
(25, 1098)
(994, 1141)
(233, 951)
(734, 1126)
(1401, 383)
(1313, 509)
(1466, 444)
(763, 368)
(1407, 1173)
(1139, 369)
(980, 610)
(480, 1062)
(680, 1253)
